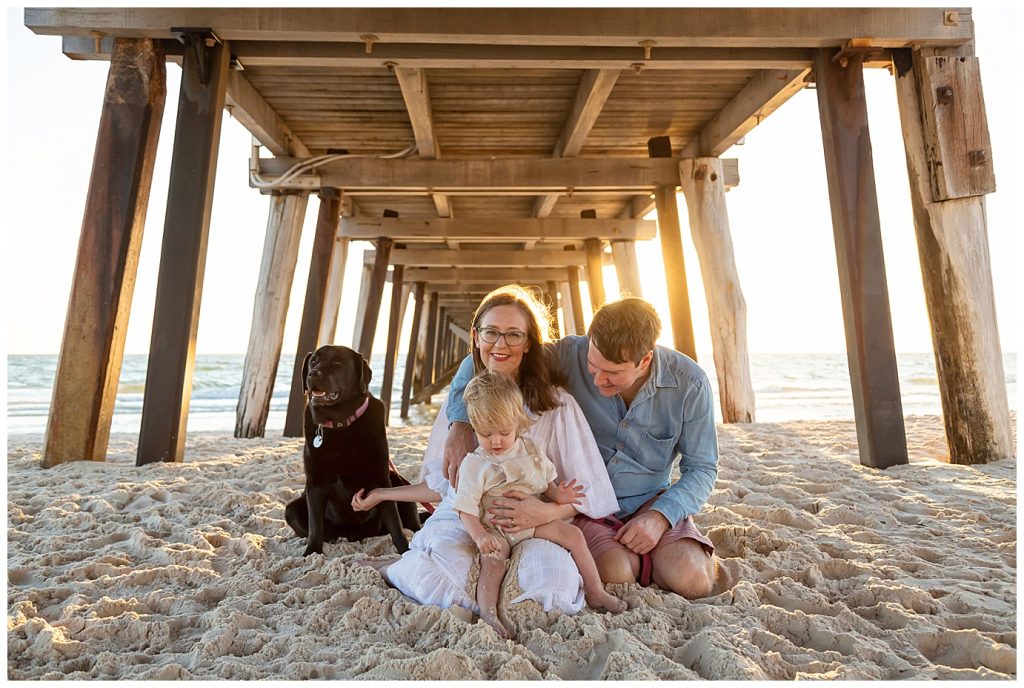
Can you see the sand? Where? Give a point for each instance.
(188, 571)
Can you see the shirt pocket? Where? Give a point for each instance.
(656, 454)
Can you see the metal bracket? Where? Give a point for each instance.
(856, 46)
(202, 41)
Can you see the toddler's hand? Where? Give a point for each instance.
(488, 543)
(367, 502)
(569, 492)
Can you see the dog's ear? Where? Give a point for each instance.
(305, 371)
(364, 378)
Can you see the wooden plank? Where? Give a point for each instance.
(627, 269)
(182, 259)
(364, 345)
(668, 27)
(245, 104)
(92, 349)
(877, 407)
(414, 340)
(959, 148)
(952, 242)
(313, 307)
(576, 300)
(497, 276)
(335, 286)
(481, 229)
(399, 295)
(595, 273)
(270, 309)
(416, 92)
(431, 338)
(464, 258)
(762, 96)
(701, 180)
(639, 206)
(521, 175)
(595, 87)
(423, 396)
(672, 255)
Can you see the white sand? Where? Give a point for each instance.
(188, 570)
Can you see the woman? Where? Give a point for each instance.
(509, 331)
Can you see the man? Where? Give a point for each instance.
(646, 405)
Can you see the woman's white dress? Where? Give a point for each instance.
(436, 567)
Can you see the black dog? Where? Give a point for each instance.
(346, 450)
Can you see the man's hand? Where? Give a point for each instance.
(460, 442)
(566, 492)
(641, 534)
(516, 511)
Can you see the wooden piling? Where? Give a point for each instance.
(952, 241)
(335, 284)
(703, 184)
(398, 298)
(851, 182)
(270, 309)
(429, 360)
(89, 366)
(183, 252)
(576, 300)
(414, 340)
(627, 268)
(375, 295)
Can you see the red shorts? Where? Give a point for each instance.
(600, 534)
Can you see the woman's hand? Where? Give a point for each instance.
(488, 543)
(461, 441)
(516, 511)
(566, 492)
(367, 502)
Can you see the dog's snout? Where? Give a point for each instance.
(315, 372)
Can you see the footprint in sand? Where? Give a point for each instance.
(966, 649)
(20, 577)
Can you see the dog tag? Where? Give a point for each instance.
(318, 439)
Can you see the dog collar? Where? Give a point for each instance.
(351, 419)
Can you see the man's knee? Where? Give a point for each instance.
(685, 568)
(618, 565)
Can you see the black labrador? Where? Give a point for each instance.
(346, 450)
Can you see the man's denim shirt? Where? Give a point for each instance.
(672, 415)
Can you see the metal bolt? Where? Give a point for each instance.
(944, 94)
(369, 39)
(978, 157)
(951, 18)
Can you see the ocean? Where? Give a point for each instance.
(786, 387)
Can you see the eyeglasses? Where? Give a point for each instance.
(513, 338)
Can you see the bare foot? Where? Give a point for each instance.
(491, 618)
(380, 567)
(608, 601)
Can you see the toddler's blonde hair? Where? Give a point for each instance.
(494, 401)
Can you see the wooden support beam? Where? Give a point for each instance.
(640, 206)
(428, 354)
(627, 269)
(551, 300)
(762, 96)
(576, 300)
(442, 380)
(701, 180)
(515, 176)
(416, 93)
(460, 333)
(486, 229)
(270, 309)
(382, 254)
(591, 95)
(441, 258)
(335, 284)
(366, 280)
(495, 276)
(414, 340)
(398, 298)
(595, 273)
(183, 254)
(851, 181)
(89, 366)
(254, 113)
(313, 307)
(669, 27)
(672, 255)
(952, 242)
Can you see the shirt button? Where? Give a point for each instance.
(619, 446)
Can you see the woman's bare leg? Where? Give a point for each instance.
(571, 537)
(488, 587)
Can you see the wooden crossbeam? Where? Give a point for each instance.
(762, 95)
(416, 93)
(489, 229)
(530, 176)
(496, 276)
(591, 95)
(639, 206)
(667, 27)
(463, 258)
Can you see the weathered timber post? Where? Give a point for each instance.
(568, 316)
(335, 283)
(179, 286)
(365, 282)
(627, 268)
(442, 328)
(420, 366)
(672, 255)
(703, 184)
(398, 298)
(313, 307)
(92, 349)
(551, 296)
(414, 340)
(269, 311)
(576, 299)
(851, 182)
(595, 266)
(950, 169)
(382, 257)
(429, 361)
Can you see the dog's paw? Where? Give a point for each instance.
(312, 549)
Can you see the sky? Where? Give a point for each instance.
(779, 214)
